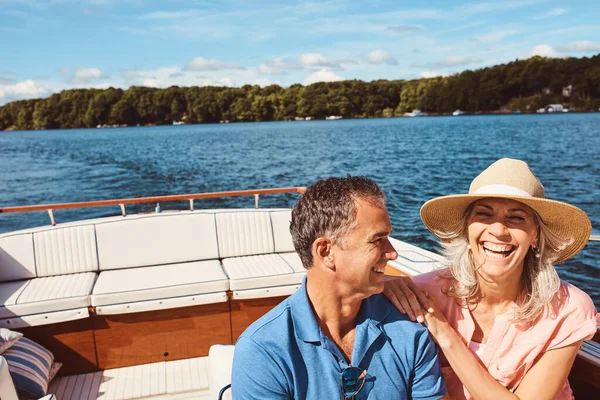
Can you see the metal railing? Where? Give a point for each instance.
(50, 208)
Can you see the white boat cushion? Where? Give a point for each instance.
(159, 282)
(281, 231)
(244, 233)
(65, 251)
(49, 294)
(16, 257)
(266, 270)
(220, 364)
(156, 240)
(293, 259)
(9, 293)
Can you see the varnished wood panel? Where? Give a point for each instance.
(72, 344)
(245, 312)
(391, 271)
(146, 337)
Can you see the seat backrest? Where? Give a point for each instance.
(70, 250)
(17, 260)
(281, 231)
(244, 233)
(156, 239)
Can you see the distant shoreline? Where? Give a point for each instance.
(478, 114)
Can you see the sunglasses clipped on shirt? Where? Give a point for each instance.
(353, 379)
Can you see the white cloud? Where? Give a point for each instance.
(322, 75)
(431, 74)
(544, 50)
(316, 60)
(22, 90)
(278, 66)
(263, 82)
(552, 13)
(582, 46)
(202, 64)
(281, 66)
(381, 57)
(151, 82)
(86, 75)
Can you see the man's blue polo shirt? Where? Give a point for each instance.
(285, 355)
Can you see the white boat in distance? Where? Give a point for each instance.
(137, 306)
(415, 113)
(458, 112)
(333, 117)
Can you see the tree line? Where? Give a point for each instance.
(522, 85)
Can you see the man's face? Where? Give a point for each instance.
(362, 254)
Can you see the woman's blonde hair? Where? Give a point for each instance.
(539, 281)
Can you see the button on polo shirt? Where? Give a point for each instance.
(285, 355)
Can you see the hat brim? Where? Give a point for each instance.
(444, 215)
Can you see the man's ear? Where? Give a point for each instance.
(322, 252)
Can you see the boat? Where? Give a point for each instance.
(148, 306)
(458, 112)
(333, 117)
(177, 123)
(415, 113)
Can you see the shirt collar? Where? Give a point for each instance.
(305, 323)
(372, 312)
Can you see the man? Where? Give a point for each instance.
(337, 336)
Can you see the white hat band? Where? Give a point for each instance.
(501, 189)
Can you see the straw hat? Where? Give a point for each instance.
(511, 179)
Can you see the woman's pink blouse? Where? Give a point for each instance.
(511, 349)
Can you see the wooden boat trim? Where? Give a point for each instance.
(152, 199)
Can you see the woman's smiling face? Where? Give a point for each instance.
(500, 233)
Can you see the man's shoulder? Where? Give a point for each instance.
(272, 322)
(394, 322)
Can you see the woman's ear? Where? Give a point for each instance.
(322, 252)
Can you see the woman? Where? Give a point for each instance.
(507, 325)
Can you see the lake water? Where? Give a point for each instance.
(413, 159)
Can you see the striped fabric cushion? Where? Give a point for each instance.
(29, 365)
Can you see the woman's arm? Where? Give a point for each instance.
(543, 381)
(547, 377)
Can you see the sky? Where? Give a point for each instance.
(51, 45)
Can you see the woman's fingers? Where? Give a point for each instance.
(409, 295)
(394, 299)
(418, 296)
(400, 293)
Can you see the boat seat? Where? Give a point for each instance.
(46, 295)
(220, 364)
(146, 288)
(293, 259)
(262, 271)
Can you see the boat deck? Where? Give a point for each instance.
(180, 379)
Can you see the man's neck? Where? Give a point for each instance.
(336, 313)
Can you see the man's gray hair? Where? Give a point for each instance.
(328, 209)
